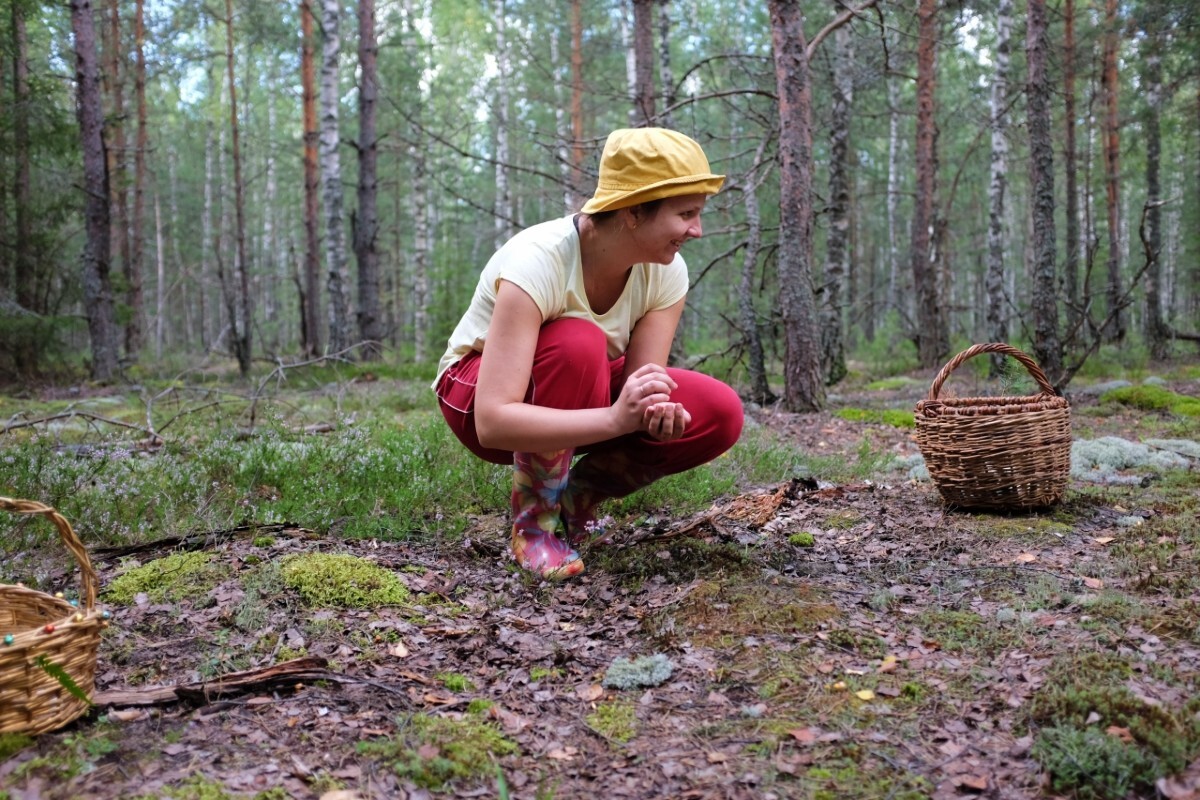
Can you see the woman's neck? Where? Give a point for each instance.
(605, 249)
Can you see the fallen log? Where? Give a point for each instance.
(284, 674)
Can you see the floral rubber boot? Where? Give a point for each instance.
(538, 481)
(594, 479)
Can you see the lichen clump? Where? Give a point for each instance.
(1098, 459)
(643, 671)
(331, 580)
(175, 577)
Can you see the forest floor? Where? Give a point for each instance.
(902, 650)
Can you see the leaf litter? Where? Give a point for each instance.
(897, 656)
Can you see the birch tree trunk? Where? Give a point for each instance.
(160, 286)
(833, 355)
(1046, 346)
(97, 292)
(272, 274)
(931, 335)
(503, 213)
(803, 388)
(366, 222)
(1070, 170)
(643, 60)
(1158, 334)
(997, 300)
(310, 283)
(134, 299)
(241, 319)
(760, 388)
(577, 133)
(1112, 167)
(331, 179)
(894, 299)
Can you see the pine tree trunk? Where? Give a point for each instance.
(894, 299)
(241, 318)
(207, 246)
(133, 267)
(1112, 167)
(931, 335)
(97, 292)
(310, 318)
(25, 353)
(1070, 170)
(1046, 346)
(643, 59)
(833, 355)
(997, 299)
(331, 179)
(366, 228)
(577, 149)
(115, 150)
(804, 389)
(271, 263)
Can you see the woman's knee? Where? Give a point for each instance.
(570, 366)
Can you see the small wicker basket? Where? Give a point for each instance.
(47, 645)
(997, 453)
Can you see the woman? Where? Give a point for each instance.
(561, 352)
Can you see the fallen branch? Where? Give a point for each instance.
(285, 674)
(194, 541)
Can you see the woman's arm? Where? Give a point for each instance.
(505, 421)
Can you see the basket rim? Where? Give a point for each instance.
(87, 574)
(993, 347)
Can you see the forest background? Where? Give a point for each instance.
(278, 181)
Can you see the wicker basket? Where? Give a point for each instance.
(47, 645)
(998, 453)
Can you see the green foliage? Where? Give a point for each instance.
(13, 743)
(641, 672)
(435, 751)
(173, 578)
(455, 682)
(1149, 397)
(897, 418)
(801, 539)
(891, 352)
(615, 721)
(331, 580)
(64, 679)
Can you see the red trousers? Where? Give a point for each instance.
(571, 369)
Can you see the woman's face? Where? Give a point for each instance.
(676, 220)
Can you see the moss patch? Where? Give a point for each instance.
(719, 612)
(1154, 398)
(176, 577)
(433, 751)
(616, 722)
(331, 580)
(895, 417)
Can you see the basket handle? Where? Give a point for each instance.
(992, 347)
(87, 575)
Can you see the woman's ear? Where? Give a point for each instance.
(631, 216)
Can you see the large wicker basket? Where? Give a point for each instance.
(47, 644)
(996, 453)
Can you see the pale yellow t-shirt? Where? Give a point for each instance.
(545, 261)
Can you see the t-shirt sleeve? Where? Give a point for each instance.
(534, 269)
(672, 285)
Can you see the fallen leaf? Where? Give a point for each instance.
(1093, 583)
(342, 794)
(717, 758)
(840, 686)
(978, 783)
(865, 694)
(590, 692)
(1025, 558)
(1120, 733)
(804, 735)
(1104, 539)
(399, 650)
(128, 714)
(562, 753)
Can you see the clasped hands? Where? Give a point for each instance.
(645, 401)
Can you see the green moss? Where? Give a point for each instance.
(13, 743)
(455, 682)
(1154, 398)
(891, 384)
(897, 418)
(616, 722)
(330, 580)
(177, 577)
(801, 539)
(434, 751)
(541, 673)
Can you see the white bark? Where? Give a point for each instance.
(503, 205)
(338, 280)
(997, 308)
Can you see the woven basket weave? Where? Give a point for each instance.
(996, 452)
(46, 643)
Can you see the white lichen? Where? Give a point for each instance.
(1100, 458)
(642, 672)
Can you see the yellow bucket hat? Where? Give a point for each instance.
(643, 164)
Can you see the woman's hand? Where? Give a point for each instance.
(644, 404)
